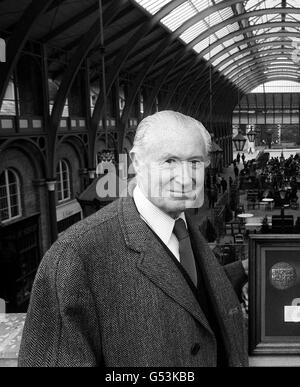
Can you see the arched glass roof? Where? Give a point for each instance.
(250, 42)
(278, 87)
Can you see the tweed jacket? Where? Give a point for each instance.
(108, 294)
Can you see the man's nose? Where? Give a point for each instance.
(185, 176)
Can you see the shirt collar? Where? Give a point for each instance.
(160, 222)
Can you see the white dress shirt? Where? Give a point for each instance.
(160, 222)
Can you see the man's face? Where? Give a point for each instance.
(171, 171)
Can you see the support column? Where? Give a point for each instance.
(45, 87)
(103, 77)
(52, 209)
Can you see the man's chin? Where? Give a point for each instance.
(182, 205)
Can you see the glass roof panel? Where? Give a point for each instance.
(220, 59)
(192, 32)
(190, 8)
(251, 5)
(293, 16)
(204, 43)
(202, 4)
(264, 30)
(225, 65)
(264, 19)
(216, 50)
(177, 17)
(219, 16)
(292, 29)
(292, 3)
(153, 6)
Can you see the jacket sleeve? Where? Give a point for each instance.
(237, 276)
(61, 327)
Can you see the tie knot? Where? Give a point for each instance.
(180, 229)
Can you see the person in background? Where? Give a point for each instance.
(236, 171)
(224, 185)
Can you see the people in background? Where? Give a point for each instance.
(243, 158)
(236, 171)
(224, 185)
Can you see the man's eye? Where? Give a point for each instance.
(170, 161)
(195, 163)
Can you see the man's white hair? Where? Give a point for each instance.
(168, 119)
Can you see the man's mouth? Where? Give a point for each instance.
(190, 195)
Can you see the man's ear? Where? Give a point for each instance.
(135, 162)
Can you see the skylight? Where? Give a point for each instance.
(278, 87)
(226, 33)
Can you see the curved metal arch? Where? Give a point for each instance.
(180, 80)
(218, 77)
(154, 93)
(111, 140)
(205, 85)
(233, 34)
(187, 88)
(253, 68)
(246, 50)
(138, 83)
(214, 83)
(254, 38)
(122, 57)
(204, 96)
(252, 61)
(201, 15)
(158, 16)
(243, 83)
(288, 74)
(161, 81)
(76, 61)
(29, 148)
(18, 39)
(78, 146)
(204, 14)
(160, 64)
(70, 23)
(280, 77)
(220, 92)
(253, 58)
(242, 16)
(262, 79)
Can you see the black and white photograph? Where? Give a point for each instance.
(149, 186)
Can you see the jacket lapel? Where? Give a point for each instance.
(222, 295)
(155, 263)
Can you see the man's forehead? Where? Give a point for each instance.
(173, 133)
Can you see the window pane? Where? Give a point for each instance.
(14, 211)
(66, 194)
(11, 177)
(13, 189)
(4, 214)
(3, 192)
(2, 179)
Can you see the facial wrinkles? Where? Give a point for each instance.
(158, 179)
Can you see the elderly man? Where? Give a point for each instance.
(136, 284)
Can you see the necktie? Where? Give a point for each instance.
(187, 259)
